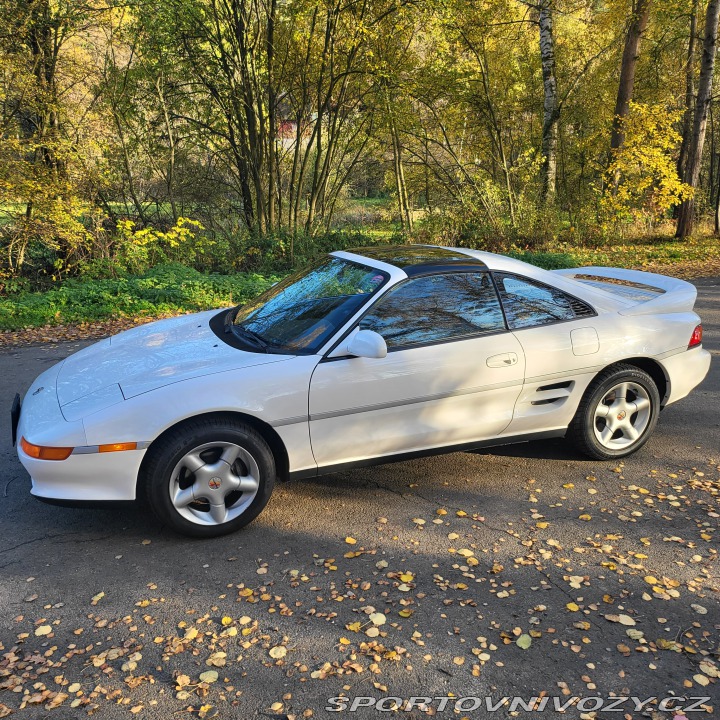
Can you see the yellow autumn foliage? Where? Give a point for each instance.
(641, 181)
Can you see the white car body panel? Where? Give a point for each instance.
(42, 419)
(683, 369)
(143, 382)
(151, 356)
(416, 398)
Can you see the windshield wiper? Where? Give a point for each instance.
(250, 335)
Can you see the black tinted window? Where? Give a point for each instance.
(435, 308)
(528, 304)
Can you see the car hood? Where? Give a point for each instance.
(146, 358)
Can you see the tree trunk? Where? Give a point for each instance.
(551, 109)
(711, 179)
(405, 212)
(272, 169)
(631, 54)
(170, 131)
(686, 216)
(689, 92)
(717, 210)
(400, 186)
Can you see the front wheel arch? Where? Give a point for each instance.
(268, 433)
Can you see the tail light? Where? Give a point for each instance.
(696, 337)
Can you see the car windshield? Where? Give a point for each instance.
(300, 313)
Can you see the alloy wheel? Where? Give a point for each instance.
(214, 483)
(622, 415)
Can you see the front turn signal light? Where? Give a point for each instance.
(696, 337)
(116, 447)
(45, 453)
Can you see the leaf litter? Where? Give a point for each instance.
(528, 590)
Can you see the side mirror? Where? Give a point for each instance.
(368, 344)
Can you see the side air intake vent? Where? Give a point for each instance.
(555, 386)
(580, 308)
(553, 394)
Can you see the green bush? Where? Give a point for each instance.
(173, 287)
(166, 288)
(546, 260)
(281, 252)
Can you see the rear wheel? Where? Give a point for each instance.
(211, 478)
(617, 414)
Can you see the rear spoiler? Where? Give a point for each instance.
(653, 293)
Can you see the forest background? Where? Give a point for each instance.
(171, 155)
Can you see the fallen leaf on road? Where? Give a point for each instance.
(622, 619)
(218, 659)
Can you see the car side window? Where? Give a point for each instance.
(529, 304)
(435, 308)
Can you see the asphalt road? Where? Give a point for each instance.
(610, 570)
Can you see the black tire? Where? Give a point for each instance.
(210, 437)
(585, 426)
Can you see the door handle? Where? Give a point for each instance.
(502, 360)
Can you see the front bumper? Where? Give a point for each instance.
(685, 371)
(86, 476)
(91, 477)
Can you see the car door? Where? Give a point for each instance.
(451, 375)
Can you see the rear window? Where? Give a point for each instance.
(528, 303)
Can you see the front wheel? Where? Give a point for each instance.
(211, 478)
(617, 414)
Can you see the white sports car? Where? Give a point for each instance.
(364, 357)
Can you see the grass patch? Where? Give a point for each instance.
(165, 289)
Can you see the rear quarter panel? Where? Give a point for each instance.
(551, 359)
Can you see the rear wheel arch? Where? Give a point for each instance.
(654, 369)
(266, 431)
(634, 422)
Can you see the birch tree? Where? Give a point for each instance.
(551, 108)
